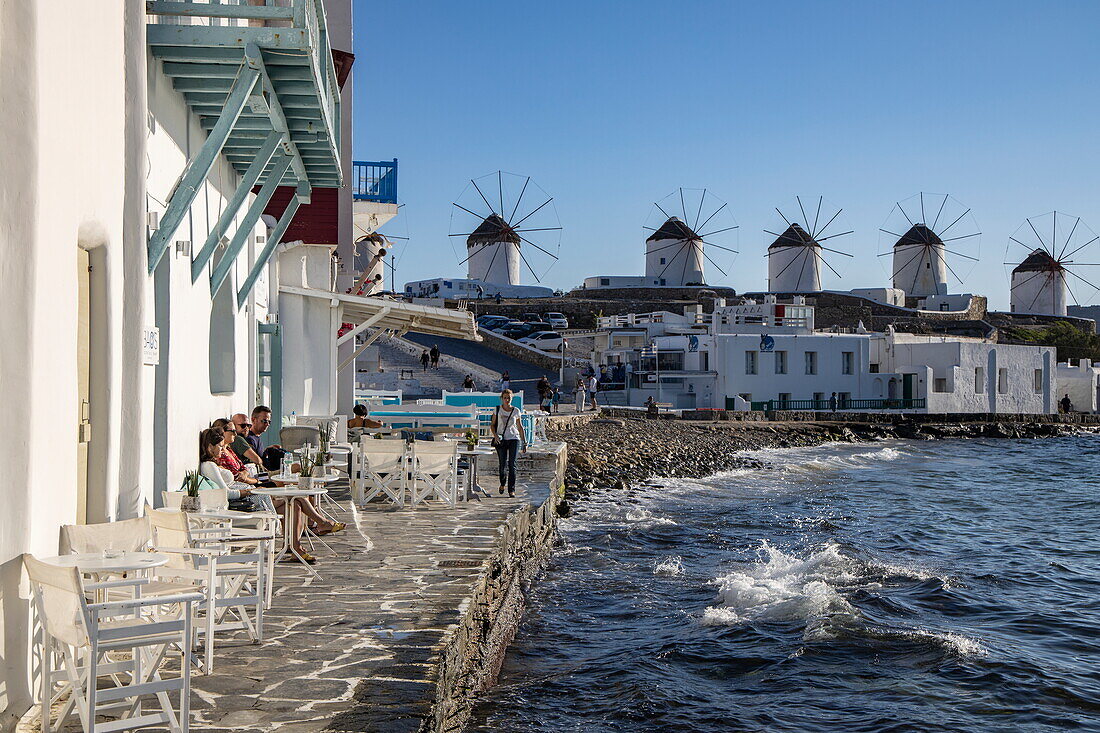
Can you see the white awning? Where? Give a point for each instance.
(394, 315)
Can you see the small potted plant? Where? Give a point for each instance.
(305, 476)
(471, 439)
(191, 482)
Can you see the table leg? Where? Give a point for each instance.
(293, 513)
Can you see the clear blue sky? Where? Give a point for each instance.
(611, 106)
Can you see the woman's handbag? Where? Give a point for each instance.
(500, 431)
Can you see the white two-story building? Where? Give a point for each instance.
(768, 355)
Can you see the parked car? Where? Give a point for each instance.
(492, 321)
(524, 329)
(532, 317)
(498, 326)
(557, 320)
(544, 340)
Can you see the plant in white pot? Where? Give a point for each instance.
(191, 482)
(305, 477)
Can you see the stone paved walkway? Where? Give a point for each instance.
(356, 651)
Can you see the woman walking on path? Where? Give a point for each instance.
(578, 393)
(508, 438)
(468, 383)
(424, 359)
(505, 382)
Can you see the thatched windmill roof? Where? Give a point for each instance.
(674, 229)
(794, 236)
(1038, 261)
(918, 235)
(492, 230)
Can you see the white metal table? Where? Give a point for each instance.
(290, 517)
(472, 486)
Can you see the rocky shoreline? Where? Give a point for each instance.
(618, 452)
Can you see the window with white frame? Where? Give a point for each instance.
(979, 380)
(1038, 381)
(939, 384)
(811, 362)
(750, 362)
(781, 362)
(1002, 381)
(847, 362)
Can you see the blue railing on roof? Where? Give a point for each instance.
(374, 181)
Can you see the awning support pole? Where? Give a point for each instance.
(362, 326)
(179, 202)
(362, 347)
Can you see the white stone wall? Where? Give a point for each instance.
(68, 144)
(956, 361)
(184, 398)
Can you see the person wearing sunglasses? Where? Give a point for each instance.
(241, 425)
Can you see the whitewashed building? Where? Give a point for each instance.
(768, 355)
(159, 259)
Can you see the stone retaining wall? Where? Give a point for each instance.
(508, 347)
(471, 659)
(881, 418)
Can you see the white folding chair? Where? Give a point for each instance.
(434, 472)
(233, 583)
(382, 471)
(79, 635)
(238, 525)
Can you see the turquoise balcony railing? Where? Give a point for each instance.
(374, 181)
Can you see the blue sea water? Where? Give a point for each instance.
(902, 586)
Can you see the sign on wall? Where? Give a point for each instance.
(767, 343)
(150, 346)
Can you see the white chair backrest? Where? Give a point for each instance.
(434, 456)
(383, 456)
(126, 535)
(59, 594)
(337, 425)
(172, 499)
(293, 437)
(170, 529)
(216, 498)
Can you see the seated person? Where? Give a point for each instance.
(213, 448)
(361, 420)
(357, 424)
(241, 425)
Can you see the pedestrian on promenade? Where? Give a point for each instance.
(545, 391)
(1066, 404)
(833, 402)
(509, 438)
(593, 386)
(434, 354)
(468, 383)
(505, 382)
(579, 393)
(424, 359)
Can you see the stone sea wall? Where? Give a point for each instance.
(471, 659)
(623, 452)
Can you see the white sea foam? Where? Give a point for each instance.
(783, 587)
(669, 566)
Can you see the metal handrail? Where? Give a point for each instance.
(888, 403)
